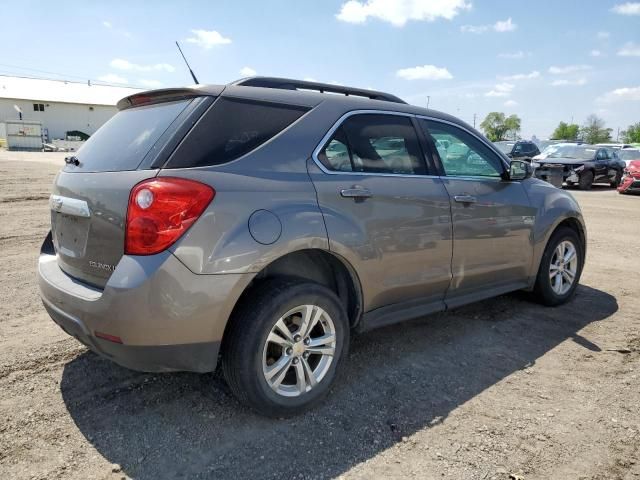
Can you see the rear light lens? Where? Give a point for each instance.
(161, 210)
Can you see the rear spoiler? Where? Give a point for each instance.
(168, 95)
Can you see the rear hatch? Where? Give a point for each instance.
(91, 193)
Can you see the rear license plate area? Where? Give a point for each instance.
(70, 234)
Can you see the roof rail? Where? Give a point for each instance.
(290, 84)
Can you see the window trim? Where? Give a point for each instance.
(432, 161)
(329, 135)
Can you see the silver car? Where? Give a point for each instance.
(259, 224)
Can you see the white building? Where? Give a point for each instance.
(60, 106)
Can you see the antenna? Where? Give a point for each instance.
(188, 66)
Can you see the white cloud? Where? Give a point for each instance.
(629, 50)
(149, 83)
(603, 35)
(399, 12)
(500, 90)
(521, 76)
(564, 83)
(247, 72)
(121, 64)
(515, 55)
(309, 79)
(625, 93)
(510, 103)
(629, 8)
(505, 26)
(424, 72)
(112, 78)
(207, 39)
(595, 53)
(107, 24)
(568, 69)
(500, 26)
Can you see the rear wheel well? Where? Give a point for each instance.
(313, 265)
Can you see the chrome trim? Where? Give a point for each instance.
(341, 120)
(69, 206)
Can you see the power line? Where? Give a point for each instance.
(92, 81)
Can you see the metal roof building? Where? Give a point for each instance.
(59, 105)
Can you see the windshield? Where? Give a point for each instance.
(505, 147)
(570, 151)
(629, 154)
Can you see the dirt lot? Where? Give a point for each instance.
(498, 388)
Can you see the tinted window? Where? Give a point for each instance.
(231, 128)
(466, 155)
(123, 142)
(375, 144)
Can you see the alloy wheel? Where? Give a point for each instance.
(563, 267)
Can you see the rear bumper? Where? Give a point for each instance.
(168, 318)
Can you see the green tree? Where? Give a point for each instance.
(631, 134)
(566, 131)
(497, 126)
(594, 131)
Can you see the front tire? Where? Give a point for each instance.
(616, 181)
(560, 268)
(285, 346)
(586, 180)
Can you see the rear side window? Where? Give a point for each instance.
(123, 142)
(374, 143)
(232, 128)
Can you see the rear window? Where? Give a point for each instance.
(123, 142)
(232, 128)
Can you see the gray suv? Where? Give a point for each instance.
(263, 222)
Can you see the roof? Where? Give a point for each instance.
(25, 88)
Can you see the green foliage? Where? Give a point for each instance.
(497, 126)
(631, 134)
(594, 131)
(566, 131)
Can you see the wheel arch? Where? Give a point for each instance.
(314, 265)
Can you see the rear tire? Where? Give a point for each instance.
(559, 271)
(586, 180)
(271, 362)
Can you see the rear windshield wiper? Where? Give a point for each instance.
(73, 160)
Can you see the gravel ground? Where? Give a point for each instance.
(501, 388)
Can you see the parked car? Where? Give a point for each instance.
(631, 179)
(550, 148)
(629, 154)
(263, 222)
(581, 165)
(520, 150)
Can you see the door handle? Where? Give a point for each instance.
(356, 192)
(465, 198)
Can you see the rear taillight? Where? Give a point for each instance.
(161, 210)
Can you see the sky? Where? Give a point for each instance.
(546, 61)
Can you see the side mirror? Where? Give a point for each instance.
(519, 170)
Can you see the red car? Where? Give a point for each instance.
(631, 178)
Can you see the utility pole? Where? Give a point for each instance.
(428, 100)
(474, 120)
(618, 135)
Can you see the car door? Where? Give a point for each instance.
(383, 212)
(492, 218)
(601, 164)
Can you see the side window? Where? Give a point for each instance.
(375, 143)
(602, 154)
(466, 155)
(519, 148)
(335, 154)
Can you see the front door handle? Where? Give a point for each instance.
(356, 192)
(465, 198)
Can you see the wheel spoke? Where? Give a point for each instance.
(557, 286)
(570, 254)
(323, 340)
(568, 279)
(309, 372)
(309, 320)
(280, 325)
(301, 383)
(277, 339)
(278, 369)
(321, 351)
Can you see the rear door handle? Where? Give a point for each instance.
(465, 198)
(356, 192)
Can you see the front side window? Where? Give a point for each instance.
(374, 143)
(466, 155)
